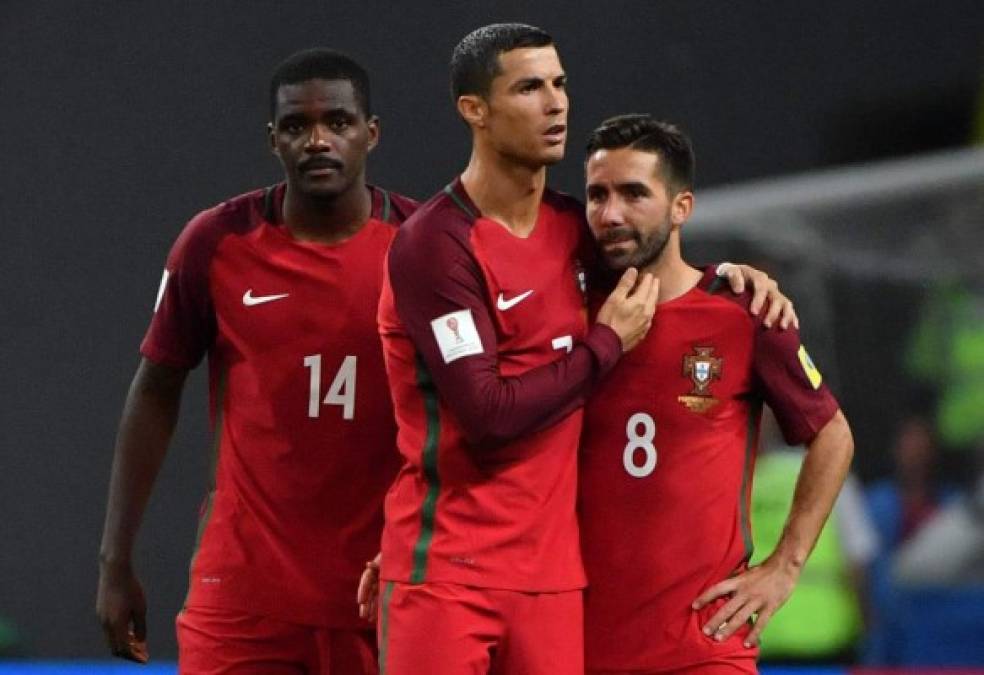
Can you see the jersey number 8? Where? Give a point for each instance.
(640, 442)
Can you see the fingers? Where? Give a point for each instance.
(735, 277)
(763, 288)
(726, 587)
(136, 649)
(117, 636)
(789, 317)
(625, 284)
(722, 618)
(776, 302)
(368, 590)
(736, 621)
(753, 636)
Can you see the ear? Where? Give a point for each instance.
(474, 110)
(682, 207)
(373, 124)
(272, 137)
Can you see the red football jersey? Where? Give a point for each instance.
(490, 359)
(303, 425)
(667, 460)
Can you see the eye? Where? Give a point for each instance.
(339, 123)
(529, 87)
(292, 127)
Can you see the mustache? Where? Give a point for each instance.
(320, 163)
(621, 233)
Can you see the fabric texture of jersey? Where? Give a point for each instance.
(667, 461)
(302, 420)
(490, 359)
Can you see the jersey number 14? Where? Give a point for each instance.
(340, 392)
(640, 444)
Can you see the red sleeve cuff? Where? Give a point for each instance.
(605, 345)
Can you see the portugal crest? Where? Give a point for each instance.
(702, 367)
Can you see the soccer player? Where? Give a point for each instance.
(279, 287)
(490, 358)
(670, 437)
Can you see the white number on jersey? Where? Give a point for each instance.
(640, 442)
(565, 342)
(342, 389)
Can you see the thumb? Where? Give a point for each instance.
(625, 284)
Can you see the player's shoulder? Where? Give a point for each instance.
(392, 207)
(449, 212)
(564, 205)
(236, 215)
(715, 291)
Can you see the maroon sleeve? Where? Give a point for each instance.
(801, 408)
(183, 325)
(436, 274)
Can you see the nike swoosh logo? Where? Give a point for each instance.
(249, 299)
(504, 304)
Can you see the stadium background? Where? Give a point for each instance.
(121, 120)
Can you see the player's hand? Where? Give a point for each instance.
(764, 290)
(761, 590)
(122, 611)
(630, 308)
(369, 589)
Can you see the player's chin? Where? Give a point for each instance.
(323, 189)
(552, 154)
(618, 262)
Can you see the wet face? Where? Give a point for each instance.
(322, 137)
(629, 206)
(525, 114)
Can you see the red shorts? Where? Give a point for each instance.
(212, 641)
(449, 629)
(737, 664)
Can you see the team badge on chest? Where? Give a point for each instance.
(702, 367)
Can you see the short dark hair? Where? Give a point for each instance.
(475, 60)
(320, 64)
(644, 132)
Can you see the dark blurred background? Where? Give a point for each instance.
(123, 119)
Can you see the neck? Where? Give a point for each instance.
(504, 190)
(675, 276)
(327, 220)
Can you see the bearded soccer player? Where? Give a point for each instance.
(279, 287)
(670, 437)
(490, 358)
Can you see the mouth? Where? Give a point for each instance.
(320, 166)
(615, 242)
(556, 133)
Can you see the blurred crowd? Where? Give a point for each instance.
(897, 577)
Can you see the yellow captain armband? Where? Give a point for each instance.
(811, 370)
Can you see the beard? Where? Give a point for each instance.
(648, 248)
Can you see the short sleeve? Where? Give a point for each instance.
(183, 324)
(792, 385)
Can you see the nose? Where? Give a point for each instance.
(611, 213)
(556, 100)
(319, 139)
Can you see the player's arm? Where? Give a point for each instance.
(806, 412)
(435, 283)
(765, 293)
(149, 417)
